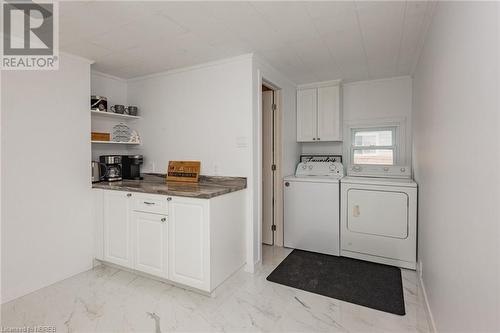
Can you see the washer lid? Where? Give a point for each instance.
(313, 179)
(379, 181)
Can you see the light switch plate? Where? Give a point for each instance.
(241, 142)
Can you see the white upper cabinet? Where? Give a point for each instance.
(307, 114)
(329, 117)
(319, 114)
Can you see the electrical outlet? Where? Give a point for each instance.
(151, 167)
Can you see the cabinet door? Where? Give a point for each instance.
(150, 243)
(98, 217)
(117, 239)
(329, 117)
(189, 252)
(306, 115)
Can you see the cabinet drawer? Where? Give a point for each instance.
(150, 203)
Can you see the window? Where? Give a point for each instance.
(374, 146)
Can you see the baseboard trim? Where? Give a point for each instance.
(427, 305)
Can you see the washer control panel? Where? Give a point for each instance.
(329, 169)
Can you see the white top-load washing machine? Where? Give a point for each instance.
(379, 220)
(311, 207)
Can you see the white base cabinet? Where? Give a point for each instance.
(117, 229)
(150, 243)
(194, 242)
(189, 240)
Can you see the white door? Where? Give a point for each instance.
(150, 243)
(306, 115)
(189, 251)
(267, 171)
(329, 118)
(379, 221)
(117, 230)
(311, 215)
(382, 213)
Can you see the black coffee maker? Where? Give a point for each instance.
(131, 166)
(112, 167)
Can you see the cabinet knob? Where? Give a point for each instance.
(169, 199)
(319, 139)
(314, 139)
(163, 219)
(129, 195)
(287, 184)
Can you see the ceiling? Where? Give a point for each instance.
(306, 41)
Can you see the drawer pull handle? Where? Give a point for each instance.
(129, 194)
(163, 219)
(149, 203)
(169, 199)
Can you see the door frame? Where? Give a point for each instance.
(278, 176)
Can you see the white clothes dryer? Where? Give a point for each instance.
(379, 220)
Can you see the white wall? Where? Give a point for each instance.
(46, 234)
(115, 89)
(371, 101)
(210, 113)
(456, 163)
(199, 113)
(375, 99)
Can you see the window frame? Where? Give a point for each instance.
(393, 147)
(402, 155)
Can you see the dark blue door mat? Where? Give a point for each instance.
(360, 282)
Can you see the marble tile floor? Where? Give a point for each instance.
(107, 299)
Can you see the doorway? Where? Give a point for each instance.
(271, 157)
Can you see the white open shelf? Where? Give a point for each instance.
(116, 142)
(113, 115)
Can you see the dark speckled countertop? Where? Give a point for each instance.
(208, 186)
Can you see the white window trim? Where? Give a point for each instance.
(394, 147)
(400, 139)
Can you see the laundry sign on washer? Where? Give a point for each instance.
(321, 158)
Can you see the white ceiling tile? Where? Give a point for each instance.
(411, 34)
(307, 41)
(427, 20)
(349, 54)
(139, 32)
(317, 58)
(289, 20)
(87, 49)
(189, 16)
(91, 18)
(381, 25)
(244, 21)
